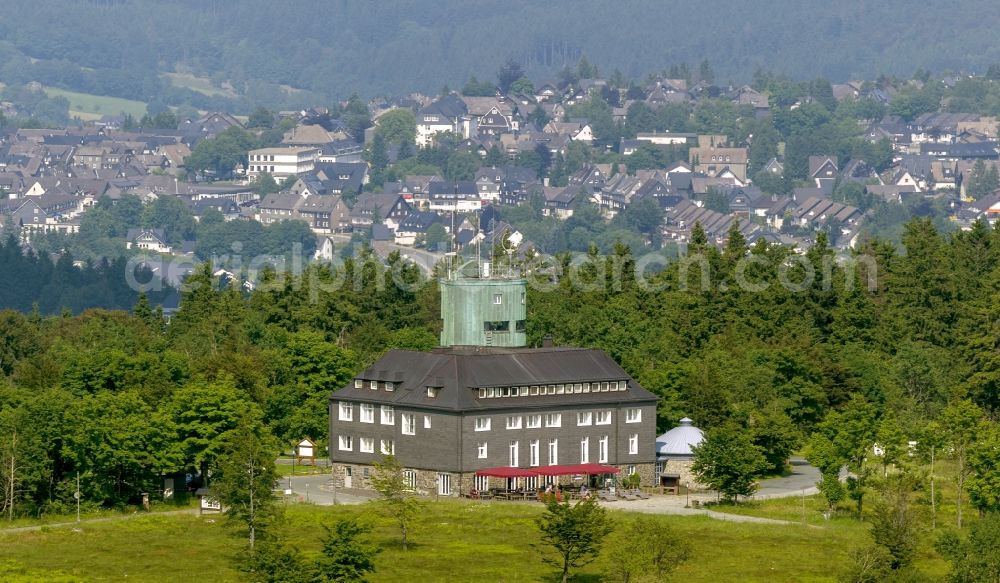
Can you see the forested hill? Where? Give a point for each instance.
(332, 48)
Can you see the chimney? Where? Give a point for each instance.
(547, 341)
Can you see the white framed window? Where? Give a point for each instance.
(584, 418)
(359, 384)
(512, 458)
(497, 299)
(388, 447)
(366, 445)
(388, 415)
(367, 413)
(553, 420)
(553, 452)
(373, 385)
(602, 450)
(410, 477)
(622, 385)
(482, 483)
(482, 423)
(427, 421)
(444, 484)
(560, 389)
(633, 415)
(482, 393)
(409, 423)
(629, 470)
(514, 422)
(533, 452)
(346, 443)
(390, 387)
(483, 450)
(603, 418)
(534, 391)
(346, 411)
(585, 450)
(659, 468)
(633, 444)
(534, 421)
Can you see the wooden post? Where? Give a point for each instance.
(933, 497)
(13, 471)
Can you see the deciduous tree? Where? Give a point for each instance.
(575, 531)
(396, 498)
(729, 462)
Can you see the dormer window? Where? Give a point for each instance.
(373, 385)
(359, 384)
(432, 392)
(390, 387)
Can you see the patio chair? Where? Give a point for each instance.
(627, 495)
(640, 494)
(606, 496)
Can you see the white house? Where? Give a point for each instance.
(281, 163)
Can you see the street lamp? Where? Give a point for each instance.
(687, 495)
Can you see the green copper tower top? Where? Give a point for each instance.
(483, 311)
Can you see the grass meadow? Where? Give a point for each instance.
(87, 106)
(453, 541)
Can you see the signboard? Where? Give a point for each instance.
(306, 450)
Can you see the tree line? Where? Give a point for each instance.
(900, 349)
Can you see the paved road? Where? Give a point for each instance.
(318, 489)
(424, 259)
(803, 477)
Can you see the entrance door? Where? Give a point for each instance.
(347, 476)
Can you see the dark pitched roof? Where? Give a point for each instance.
(418, 221)
(459, 372)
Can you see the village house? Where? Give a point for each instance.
(147, 240)
(718, 161)
(372, 209)
(461, 196)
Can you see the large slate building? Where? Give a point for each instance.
(484, 400)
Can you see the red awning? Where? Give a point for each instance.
(583, 469)
(506, 472)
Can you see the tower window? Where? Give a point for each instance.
(496, 326)
(497, 299)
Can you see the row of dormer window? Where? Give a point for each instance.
(562, 389)
(375, 385)
(583, 418)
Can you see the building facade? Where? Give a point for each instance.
(281, 163)
(447, 413)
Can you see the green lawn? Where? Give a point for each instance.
(200, 84)
(88, 106)
(454, 541)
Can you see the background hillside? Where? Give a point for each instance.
(256, 51)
